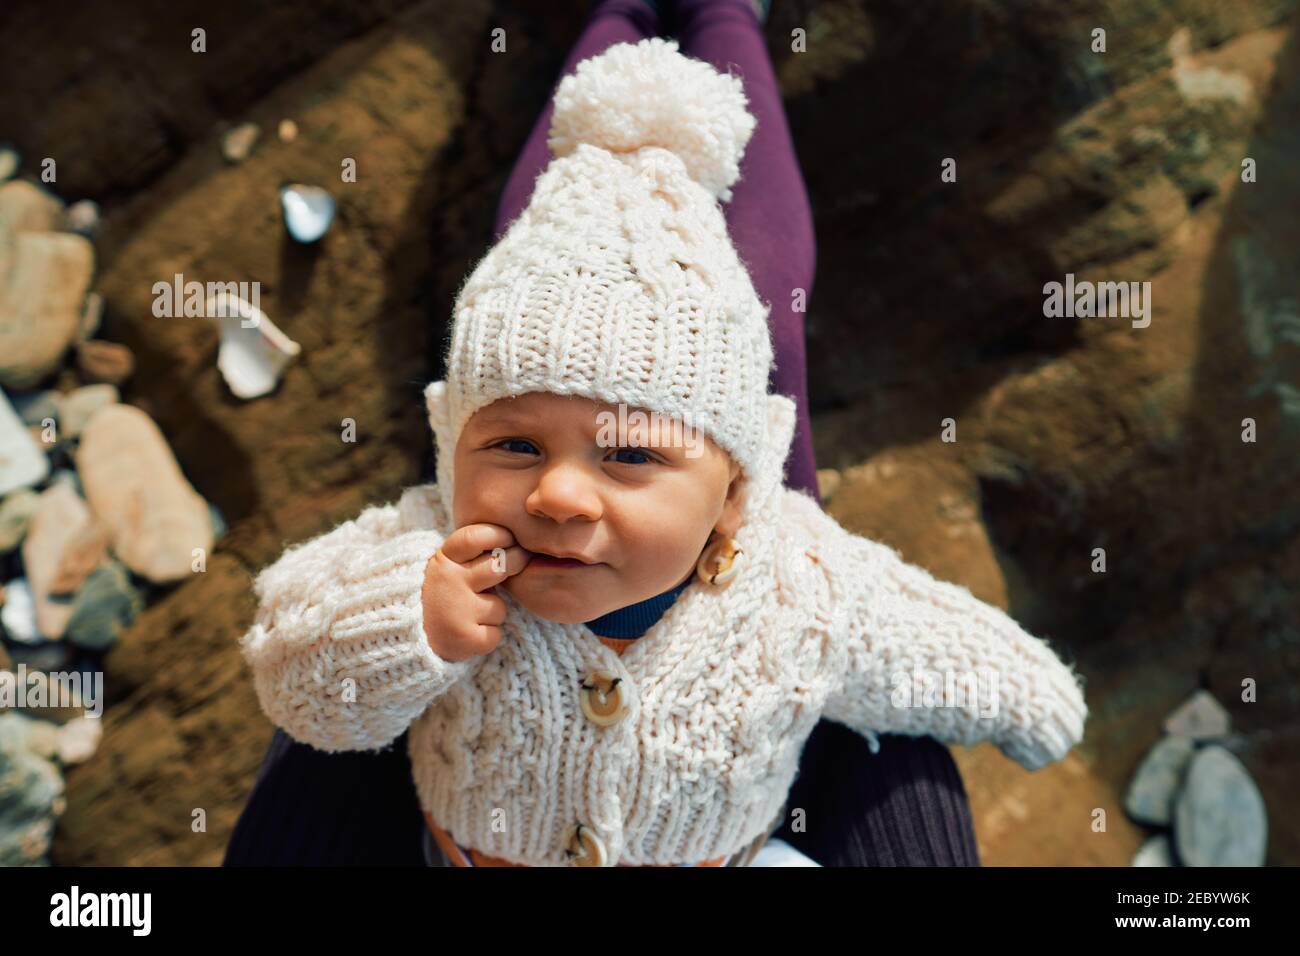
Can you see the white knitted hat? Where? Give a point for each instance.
(619, 282)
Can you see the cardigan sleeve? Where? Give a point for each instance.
(337, 649)
(925, 657)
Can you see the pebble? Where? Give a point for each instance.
(288, 131)
(57, 555)
(78, 739)
(76, 407)
(34, 798)
(134, 485)
(46, 702)
(44, 278)
(92, 314)
(26, 207)
(82, 217)
(1151, 794)
(1219, 819)
(19, 613)
(237, 145)
(68, 476)
(1200, 717)
(308, 211)
(105, 606)
(219, 526)
(16, 512)
(1157, 851)
(34, 407)
(24, 462)
(100, 361)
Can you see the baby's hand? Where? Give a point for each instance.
(461, 617)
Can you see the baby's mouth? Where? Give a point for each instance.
(546, 560)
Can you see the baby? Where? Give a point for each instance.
(461, 611)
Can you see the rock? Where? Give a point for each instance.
(1200, 717)
(1219, 819)
(31, 798)
(85, 552)
(828, 482)
(19, 613)
(51, 693)
(21, 731)
(308, 211)
(288, 131)
(25, 207)
(34, 407)
(154, 516)
(92, 314)
(16, 512)
(1151, 794)
(104, 607)
(237, 145)
(100, 361)
(59, 543)
(9, 163)
(82, 218)
(219, 526)
(1157, 851)
(77, 406)
(43, 282)
(67, 476)
(23, 462)
(78, 739)
(48, 439)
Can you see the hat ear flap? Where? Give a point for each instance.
(782, 416)
(437, 403)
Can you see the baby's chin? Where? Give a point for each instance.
(554, 604)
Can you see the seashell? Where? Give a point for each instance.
(308, 211)
(253, 351)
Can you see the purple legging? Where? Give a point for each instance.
(768, 217)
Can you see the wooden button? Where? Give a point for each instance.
(583, 846)
(602, 698)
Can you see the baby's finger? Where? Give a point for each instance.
(494, 567)
(465, 544)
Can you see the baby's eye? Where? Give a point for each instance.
(516, 441)
(634, 451)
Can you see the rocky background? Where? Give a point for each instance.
(1071, 434)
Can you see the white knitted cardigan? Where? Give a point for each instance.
(724, 688)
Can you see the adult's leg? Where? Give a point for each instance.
(906, 804)
(311, 808)
(608, 22)
(769, 216)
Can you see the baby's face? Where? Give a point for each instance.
(638, 506)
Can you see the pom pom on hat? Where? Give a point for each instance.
(642, 94)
